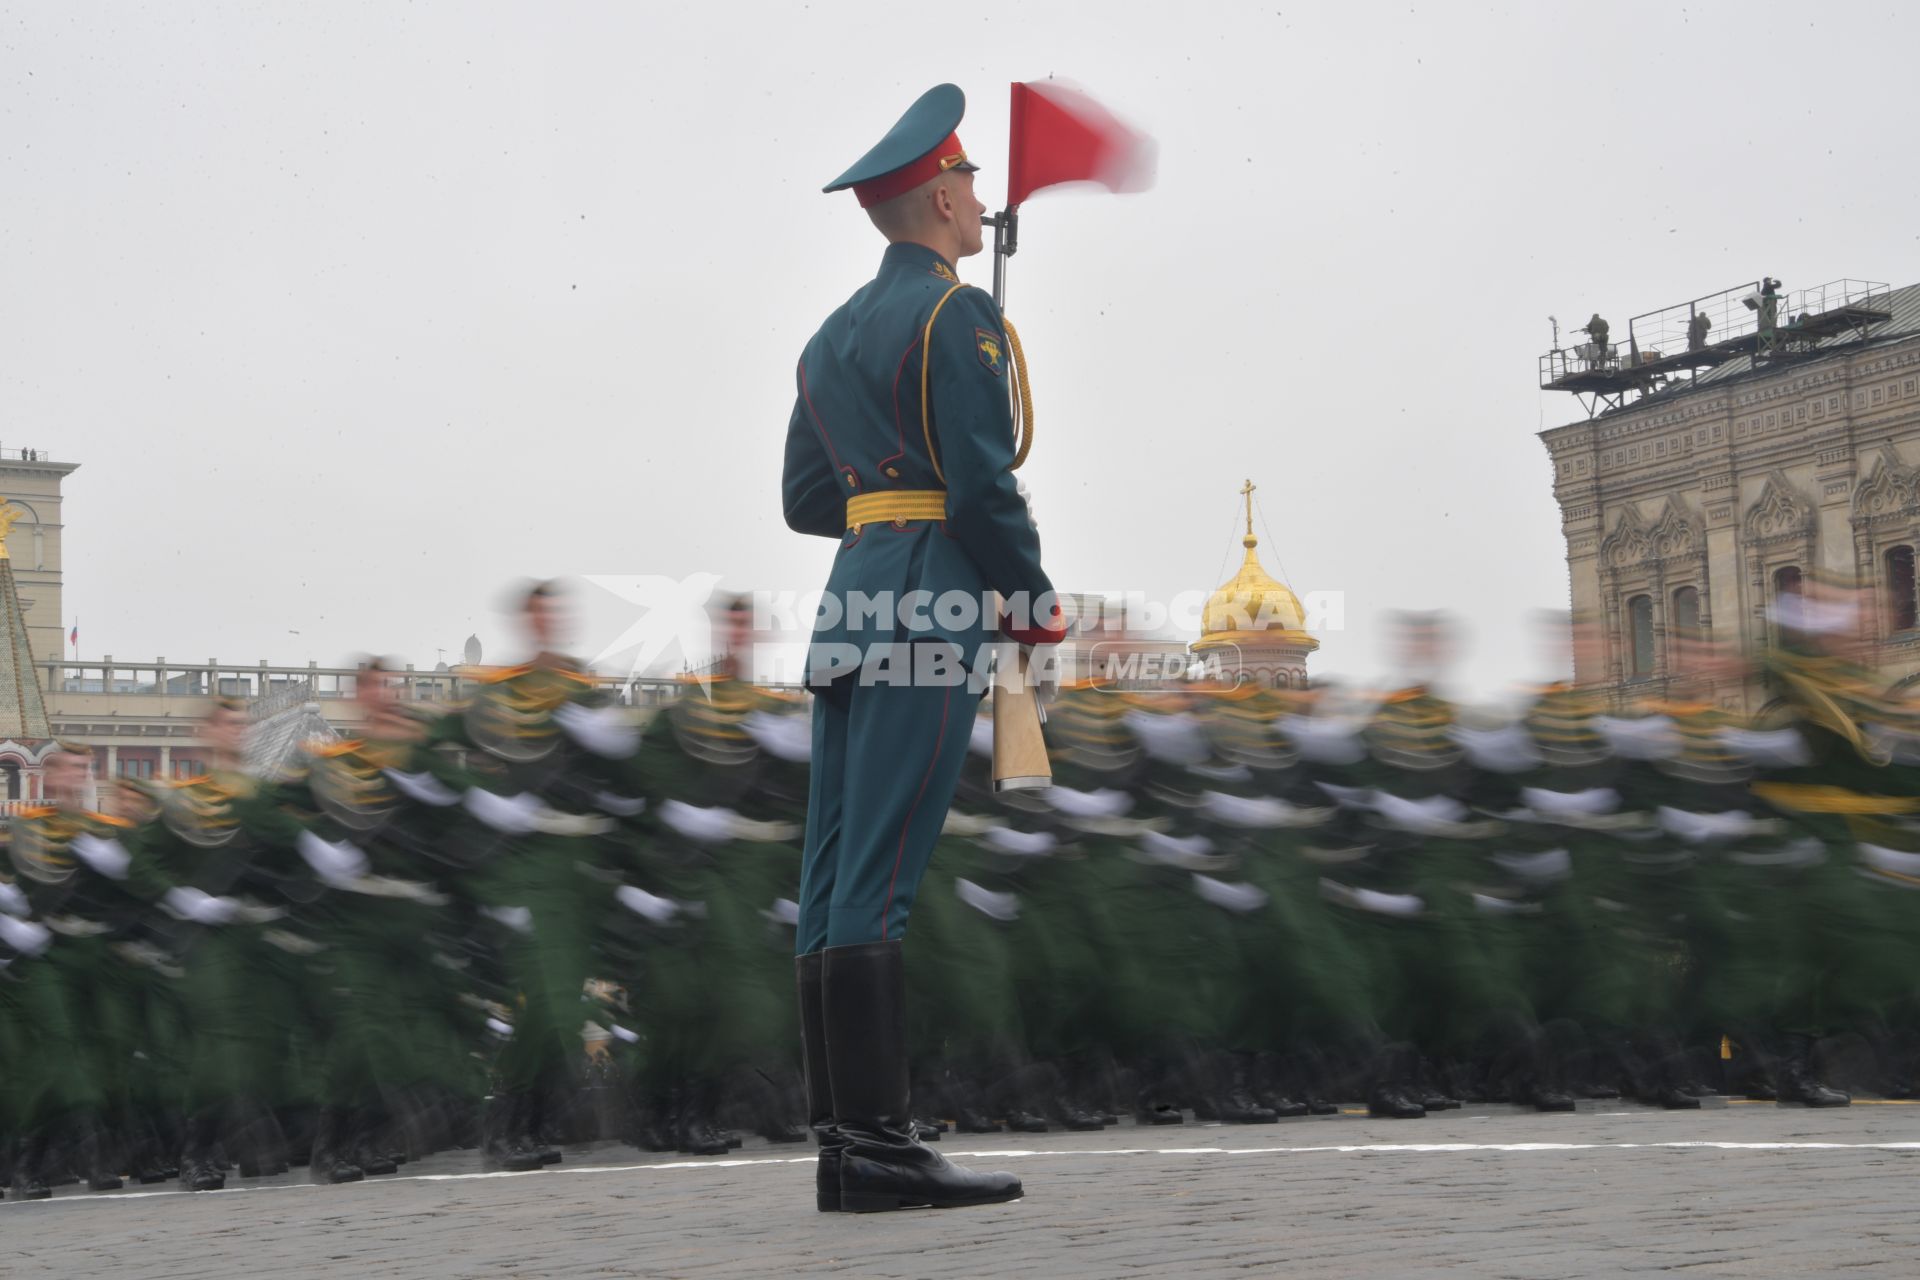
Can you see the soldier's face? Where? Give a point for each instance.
(66, 774)
(225, 731)
(547, 621)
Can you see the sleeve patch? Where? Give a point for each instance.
(990, 347)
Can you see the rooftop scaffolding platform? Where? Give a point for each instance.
(1748, 320)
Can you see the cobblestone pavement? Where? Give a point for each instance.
(1740, 1190)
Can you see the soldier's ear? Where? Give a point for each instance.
(943, 201)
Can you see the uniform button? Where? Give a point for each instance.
(893, 473)
(899, 522)
(854, 530)
(851, 479)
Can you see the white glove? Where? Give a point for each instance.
(104, 854)
(641, 903)
(510, 815)
(518, 919)
(28, 937)
(333, 863)
(601, 730)
(13, 902)
(201, 908)
(1020, 487)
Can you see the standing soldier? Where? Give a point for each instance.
(929, 515)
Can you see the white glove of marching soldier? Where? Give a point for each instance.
(202, 908)
(1020, 487)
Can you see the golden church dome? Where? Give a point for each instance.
(1252, 601)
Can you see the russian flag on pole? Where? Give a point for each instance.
(1059, 134)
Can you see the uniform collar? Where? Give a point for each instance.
(906, 256)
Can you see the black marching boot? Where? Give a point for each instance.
(200, 1165)
(1798, 1083)
(813, 1050)
(883, 1165)
(329, 1162)
(365, 1148)
(694, 1133)
(507, 1147)
(1392, 1095)
(30, 1169)
(98, 1157)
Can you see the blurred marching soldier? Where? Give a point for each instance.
(376, 802)
(712, 878)
(78, 998)
(549, 765)
(935, 512)
(1190, 948)
(1263, 801)
(226, 848)
(1833, 783)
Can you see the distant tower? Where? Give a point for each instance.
(1255, 624)
(473, 651)
(25, 736)
(32, 485)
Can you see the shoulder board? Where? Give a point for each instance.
(108, 820)
(499, 675)
(333, 750)
(39, 811)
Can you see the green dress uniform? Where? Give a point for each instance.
(77, 1005)
(226, 845)
(395, 1067)
(546, 755)
(1841, 792)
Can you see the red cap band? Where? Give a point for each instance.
(904, 179)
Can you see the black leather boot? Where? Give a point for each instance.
(201, 1168)
(30, 1169)
(884, 1166)
(365, 1147)
(329, 1162)
(694, 1133)
(1389, 1102)
(98, 1156)
(1394, 1095)
(507, 1146)
(1798, 1083)
(813, 1054)
(262, 1146)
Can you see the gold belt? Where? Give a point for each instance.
(897, 505)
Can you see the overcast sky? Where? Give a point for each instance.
(352, 313)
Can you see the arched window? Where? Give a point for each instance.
(1786, 581)
(1640, 635)
(1899, 588)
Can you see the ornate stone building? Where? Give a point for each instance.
(1689, 511)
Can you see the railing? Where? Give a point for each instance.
(1587, 357)
(1711, 321)
(273, 688)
